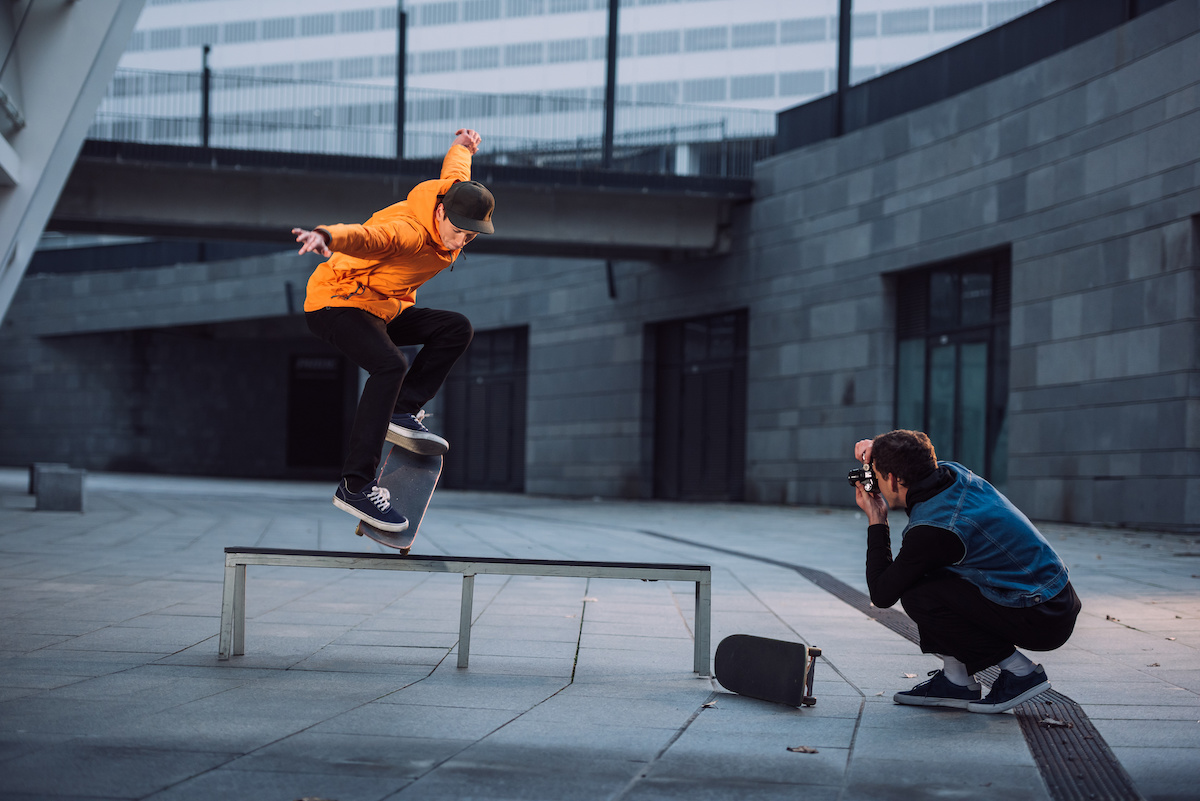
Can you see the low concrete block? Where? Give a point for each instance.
(60, 489)
(35, 471)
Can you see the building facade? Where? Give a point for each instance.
(1013, 269)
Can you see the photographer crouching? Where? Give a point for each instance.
(972, 571)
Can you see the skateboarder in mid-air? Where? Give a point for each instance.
(361, 301)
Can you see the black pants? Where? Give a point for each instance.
(393, 385)
(954, 619)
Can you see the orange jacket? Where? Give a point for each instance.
(379, 265)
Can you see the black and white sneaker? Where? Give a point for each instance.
(407, 431)
(373, 505)
(1011, 690)
(939, 691)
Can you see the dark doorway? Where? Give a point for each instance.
(484, 407)
(316, 411)
(700, 408)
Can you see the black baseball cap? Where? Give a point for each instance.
(469, 206)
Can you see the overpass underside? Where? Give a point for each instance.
(206, 193)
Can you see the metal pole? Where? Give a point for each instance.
(845, 18)
(401, 57)
(610, 85)
(205, 92)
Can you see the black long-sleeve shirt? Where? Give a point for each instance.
(925, 549)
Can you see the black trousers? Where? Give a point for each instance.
(954, 619)
(393, 385)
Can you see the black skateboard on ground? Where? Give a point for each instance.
(770, 670)
(411, 479)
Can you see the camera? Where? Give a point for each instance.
(863, 475)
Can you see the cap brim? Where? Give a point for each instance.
(467, 224)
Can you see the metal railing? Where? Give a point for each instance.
(229, 110)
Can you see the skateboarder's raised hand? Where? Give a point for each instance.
(311, 242)
(468, 139)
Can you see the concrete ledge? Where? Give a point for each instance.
(58, 488)
(35, 471)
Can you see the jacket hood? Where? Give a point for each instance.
(422, 201)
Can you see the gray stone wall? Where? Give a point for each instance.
(179, 370)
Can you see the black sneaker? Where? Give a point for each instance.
(407, 431)
(373, 505)
(1010, 690)
(939, 691)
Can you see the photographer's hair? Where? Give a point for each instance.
(907, 455)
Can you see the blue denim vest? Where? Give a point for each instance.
(1006, 557)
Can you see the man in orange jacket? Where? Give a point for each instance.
(362, 299)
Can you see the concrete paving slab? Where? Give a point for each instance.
(342, 665)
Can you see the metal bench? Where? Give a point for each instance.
(233, 602)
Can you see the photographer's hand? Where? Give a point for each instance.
(873, 504)
(862, 450)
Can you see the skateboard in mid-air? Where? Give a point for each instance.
(769, 670)
(411, 479)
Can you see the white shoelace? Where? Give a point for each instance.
(381, 497)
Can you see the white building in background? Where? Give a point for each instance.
(754, 54)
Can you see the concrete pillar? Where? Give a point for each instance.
(55, 73)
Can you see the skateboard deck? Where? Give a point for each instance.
(769, 670)
(411, 479)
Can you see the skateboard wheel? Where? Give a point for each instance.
(814, 651)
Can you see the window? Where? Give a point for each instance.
(278, 72)
(437, 61)
(524, 8)
(279, 28)
(439, 13)
(659, 92)
(705, 90)
(658, 43)
(898, 23)
(864, 25)
(567, 6)
(199, 35)
(625, 45)
(137, 42)
(700, 39)
(952, 351)
(957, 18)
(357, 21)
(475, 10)
(567, 50)
(317, 25)
(523, 55)
(166, 38)
(480, 58)
(238, 32)
(998, 13)
(758, 34)
(316, 71)
(811, 29)
(352, 68)
(750, 87)
(805, 82)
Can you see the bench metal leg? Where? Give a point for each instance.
(464, 619)
(703, 627)
(233, 612)
(239, 610)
